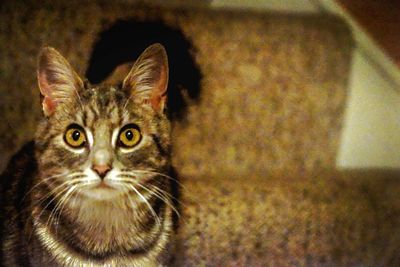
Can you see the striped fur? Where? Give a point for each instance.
(55, 211)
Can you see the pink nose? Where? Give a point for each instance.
(101, 170)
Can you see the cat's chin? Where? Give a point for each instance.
(103, 191)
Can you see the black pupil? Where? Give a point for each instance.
(75, 135)
(129, 135)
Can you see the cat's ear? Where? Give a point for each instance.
(147, 81)
(58, 82)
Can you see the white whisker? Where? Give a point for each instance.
(43, 180)
(60, 203)
(57, 193)
(159, 193)
(161, 197)
(147, 203)
(168, 194)
(165, 176)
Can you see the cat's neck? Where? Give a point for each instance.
(58, 252)
(99, 228)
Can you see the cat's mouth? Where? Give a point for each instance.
(104, 185)
(103, 190)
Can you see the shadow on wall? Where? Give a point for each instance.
(126, 40)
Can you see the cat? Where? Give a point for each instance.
(94, 188)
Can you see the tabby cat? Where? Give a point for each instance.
(94, 187)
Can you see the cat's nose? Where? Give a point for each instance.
(101, 170)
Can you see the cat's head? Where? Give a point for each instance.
(103, 141)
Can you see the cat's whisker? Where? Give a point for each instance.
(58, 203)
(44, 197)
(67, 197)
(169, 195)
(43, 181)
(161, 197)
(62, 203)
(181, 186)
(147, 203)
(57, 194)
(161, 174)
(167, 177)
(174, 199)
(130, 198)
(129, 174)
(166, 198)
(55, 189)
(44, 209)
(38, 202)
(60, 206)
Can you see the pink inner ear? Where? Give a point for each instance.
(157, 102)
(43, 84)
(48, 104)
(159, 95)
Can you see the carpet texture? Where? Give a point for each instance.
(327, 218)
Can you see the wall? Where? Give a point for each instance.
(371, 135)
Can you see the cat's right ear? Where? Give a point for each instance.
(58, 82)
(148, 79)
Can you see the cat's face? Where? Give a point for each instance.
(101, 142)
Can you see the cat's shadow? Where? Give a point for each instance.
(125, 40)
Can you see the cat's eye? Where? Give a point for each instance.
(75, 136)
(129, 136)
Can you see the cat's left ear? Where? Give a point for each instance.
(148, 79)
(58, 82)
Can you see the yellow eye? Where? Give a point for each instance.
(75, 136)
(129, 136)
